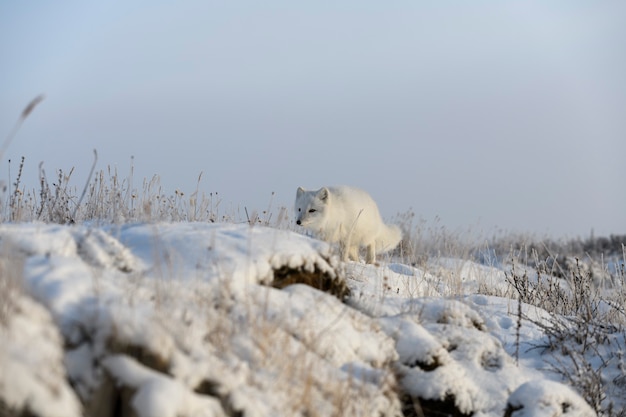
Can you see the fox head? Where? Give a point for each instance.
(310, 206)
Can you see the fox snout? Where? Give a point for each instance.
(298, 222)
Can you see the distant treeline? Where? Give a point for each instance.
(591, 248)
(594, 247)
(602, 258)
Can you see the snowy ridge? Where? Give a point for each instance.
(182, 320)
(242, 254)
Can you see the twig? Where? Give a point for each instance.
(28, 110)
(45, 191)
(80, 200)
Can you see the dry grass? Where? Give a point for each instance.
(11, 266)
(585, 334)
(109, 198)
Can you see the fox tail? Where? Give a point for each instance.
(389, 239)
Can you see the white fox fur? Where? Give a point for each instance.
(348, 216)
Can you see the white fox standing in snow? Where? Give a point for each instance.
(347, 216)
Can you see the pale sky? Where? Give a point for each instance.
(504, 115)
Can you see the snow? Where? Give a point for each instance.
(182, 318)
(32, 374)
(158, 395)
(543, 398)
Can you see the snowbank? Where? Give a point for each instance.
(32, 375)
(214, 320)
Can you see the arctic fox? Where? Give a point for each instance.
(347, 216)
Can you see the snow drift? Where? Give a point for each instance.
(202, 319)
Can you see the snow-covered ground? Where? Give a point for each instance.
(197, 319)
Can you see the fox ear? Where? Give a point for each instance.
(323, 193)
(299, 192)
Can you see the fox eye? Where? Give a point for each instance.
(299, 209)
(312, 211)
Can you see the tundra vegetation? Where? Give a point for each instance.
(118, 298)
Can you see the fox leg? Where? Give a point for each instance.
(349, 251)
(344, 251)
(353, 253)
(371, 253)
